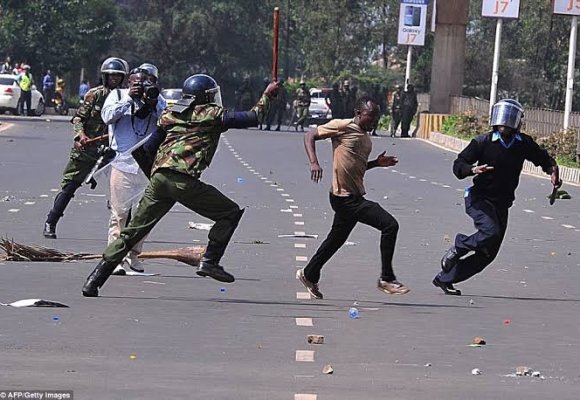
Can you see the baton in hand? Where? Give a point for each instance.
(553, 195)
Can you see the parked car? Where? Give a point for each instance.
(171, 95)
(318, 112)
(10, 93)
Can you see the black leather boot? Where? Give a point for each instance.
(49, 231)
(61, 201)
(449, 259)
(215, 271)
(98, 278)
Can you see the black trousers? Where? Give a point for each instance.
(406, 118)
(348, 211)
(395, 122)
(490, 220)
(25, 99)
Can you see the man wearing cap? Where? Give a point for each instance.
(302, 104)
(25, 82)
(495, 159)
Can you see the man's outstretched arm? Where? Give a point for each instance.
(310, 138)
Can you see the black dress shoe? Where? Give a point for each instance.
(214, 271)
(49, 231)
(446, 287)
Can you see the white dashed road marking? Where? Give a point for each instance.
(304, 322)
(305, 355)
(302, 295)
(305, 396)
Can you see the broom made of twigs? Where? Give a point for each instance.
(21, 252)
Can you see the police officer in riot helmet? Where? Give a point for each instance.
(191, 130)
(90, 133)
(495, 160)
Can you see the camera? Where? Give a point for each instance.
(150, 91)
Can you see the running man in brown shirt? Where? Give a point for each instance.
(351, 147)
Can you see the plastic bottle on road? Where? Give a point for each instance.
(354, 313)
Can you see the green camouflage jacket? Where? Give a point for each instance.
(88, 119)
(193, 137)
(303, 97)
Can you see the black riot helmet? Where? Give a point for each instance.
(202, 89)
(114, 65)
(152, 71)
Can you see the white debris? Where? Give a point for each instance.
(200, 226)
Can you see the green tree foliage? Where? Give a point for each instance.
(59, 34)
(328, 40)
(534, 53)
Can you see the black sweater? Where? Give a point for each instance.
(500, 184)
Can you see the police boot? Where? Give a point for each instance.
(98, 278)
(49, 231)
(215, 271)
(61, 201)
(449, 259)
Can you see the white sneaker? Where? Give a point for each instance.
(133, 262)
(119, 270)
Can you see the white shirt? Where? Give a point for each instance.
(125, 129)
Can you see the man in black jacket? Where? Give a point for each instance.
(499, 156)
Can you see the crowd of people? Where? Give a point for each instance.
(293, 110)
(53, 87)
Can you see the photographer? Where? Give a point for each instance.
(131, 115)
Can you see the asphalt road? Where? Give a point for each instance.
(177, 336)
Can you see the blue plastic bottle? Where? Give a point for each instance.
(353, 312)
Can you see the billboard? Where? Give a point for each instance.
(509, 9)
(566, 7)
(412, 22)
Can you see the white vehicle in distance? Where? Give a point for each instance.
(318, 112)
(10, 93)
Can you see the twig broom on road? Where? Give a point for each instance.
(21, 252)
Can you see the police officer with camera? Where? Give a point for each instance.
(90, 133)
(131, 115)
(193, 127)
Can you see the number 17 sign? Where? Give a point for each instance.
(509, 9)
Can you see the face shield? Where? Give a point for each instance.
(215, 96)
(507, 113)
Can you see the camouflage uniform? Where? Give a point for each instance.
(302, 104)
(86, 121)
(192, 139)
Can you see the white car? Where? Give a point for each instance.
(318, 112)
(10, 93)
